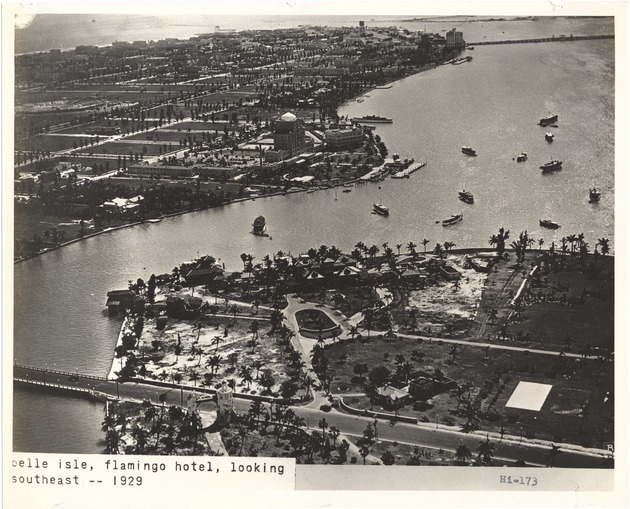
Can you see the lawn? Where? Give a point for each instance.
(45, 142)
(579, 386)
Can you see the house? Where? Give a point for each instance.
(119, 300)
(124, 207)
(424, 386)
(390, 396)
(480, 264)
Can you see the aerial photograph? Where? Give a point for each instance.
(364, 240)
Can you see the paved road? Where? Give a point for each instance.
(422, 435)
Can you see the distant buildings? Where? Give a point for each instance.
(454, 38)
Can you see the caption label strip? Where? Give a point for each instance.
(48, 471)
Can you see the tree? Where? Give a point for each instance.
(267, 380)
(485, 451)
(499, 240)
(379, 376)
(388, 458)
(360, 370)
(463, 453)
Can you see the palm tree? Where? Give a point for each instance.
(398, 246)
(246, 374)
(257, 365)
(412, 248)
(463, 453)
(216, 340)
(198, 326)
(572, 239)
(437, 250)
(499, 240)
(214, 362)
(424, 243)
(541, 241)
(485, 451)
(605, 247)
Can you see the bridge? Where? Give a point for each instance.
(560, 38)
(98, 387)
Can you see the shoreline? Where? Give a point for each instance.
(237, 200)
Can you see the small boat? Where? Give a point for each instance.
(471, 47)
(549, 136)
(521, 157)
(594, 195)
(468, 150)
(548, 223)
(360, 100)
(455, 218)
(466, 196)
(380, 209)
(347, 191)
(259, 226)
(551, 166)
(549, 119)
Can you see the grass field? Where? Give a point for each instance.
(494, 375)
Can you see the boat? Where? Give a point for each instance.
(259, 226)
(468, 150)
(521, 157)
(347, 191)
(455, 218)
(549, 136)
(360, 100)
(551, 166)
(380, 209)
(548, 223)
(373, 118)
(549, 119)
(466, 196)
(594, 195)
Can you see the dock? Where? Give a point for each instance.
(408, 171)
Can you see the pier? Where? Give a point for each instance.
(408, 171)
(553, 38)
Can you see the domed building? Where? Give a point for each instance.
(289, 134)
